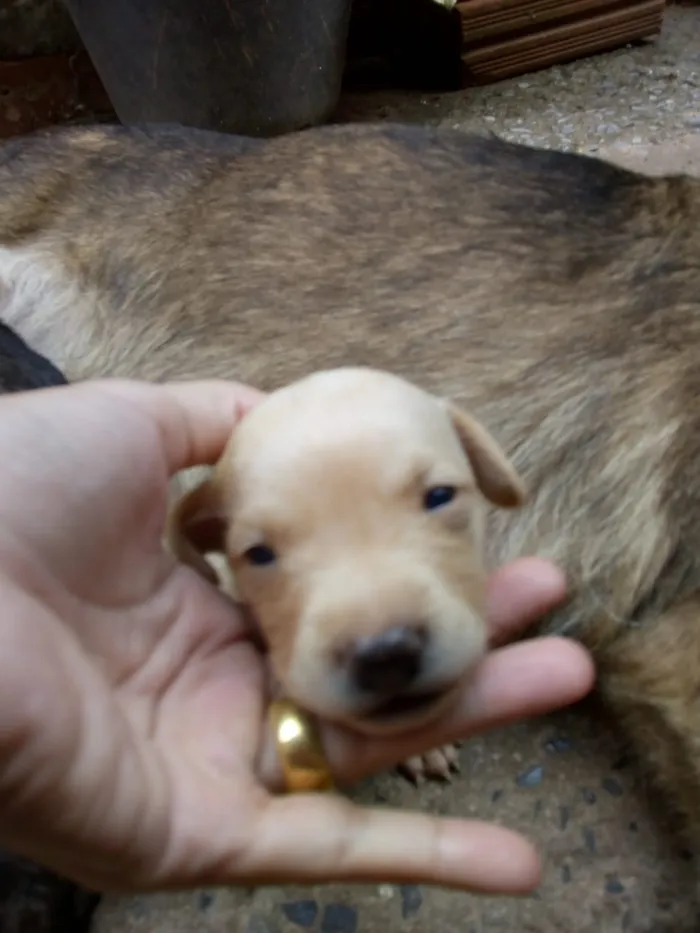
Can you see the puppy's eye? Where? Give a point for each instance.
(438, 496)
(260, 555)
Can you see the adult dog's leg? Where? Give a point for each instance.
(650, 678)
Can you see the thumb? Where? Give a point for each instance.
(309, 838)
(195, 419)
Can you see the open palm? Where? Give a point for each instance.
(132, 705)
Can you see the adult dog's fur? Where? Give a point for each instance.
(554, 296)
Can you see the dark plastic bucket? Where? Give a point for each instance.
(255, 67)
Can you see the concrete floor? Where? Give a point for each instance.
(611, 865)
(645, 94)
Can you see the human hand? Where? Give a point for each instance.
(132, 704)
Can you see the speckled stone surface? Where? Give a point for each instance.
(638, 95)
(610, 864)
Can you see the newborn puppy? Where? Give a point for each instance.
(350, 507)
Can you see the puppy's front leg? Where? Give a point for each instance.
(439, 764)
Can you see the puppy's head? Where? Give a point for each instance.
(350, 506)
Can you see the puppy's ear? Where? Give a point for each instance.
(197, 525)
(495, 475)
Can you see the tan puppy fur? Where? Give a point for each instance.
(330, 475)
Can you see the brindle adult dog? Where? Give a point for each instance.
(555, 296)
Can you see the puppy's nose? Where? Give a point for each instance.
(389, 662)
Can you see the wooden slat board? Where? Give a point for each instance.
(505, 38)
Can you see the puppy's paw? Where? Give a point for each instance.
(440, 764)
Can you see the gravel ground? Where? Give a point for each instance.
(638, 95)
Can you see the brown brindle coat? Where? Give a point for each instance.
(554, 296)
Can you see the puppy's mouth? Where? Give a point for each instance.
(409, 706)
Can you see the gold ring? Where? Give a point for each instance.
(304, 764)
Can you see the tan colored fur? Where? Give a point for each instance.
(555, 297)
(331, 473)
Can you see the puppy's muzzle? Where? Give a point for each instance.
(386, 670)
(388, 663)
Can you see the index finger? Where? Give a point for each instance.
(519, 593)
